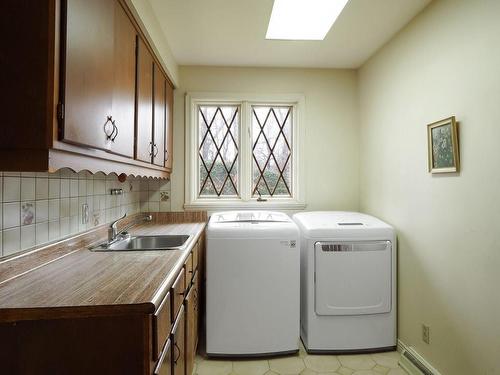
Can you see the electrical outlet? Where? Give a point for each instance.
(426, 334)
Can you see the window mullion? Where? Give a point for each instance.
(246, 152)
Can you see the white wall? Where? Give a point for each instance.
(144, 14)
(331, 125)
(445, 62)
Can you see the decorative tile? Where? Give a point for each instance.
(43, 207)
(27, 213)
(164, 196)
(357, 362)
(322, 363)
(287, 365)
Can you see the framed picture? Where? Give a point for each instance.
(442, 137)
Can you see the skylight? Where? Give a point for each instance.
(303, 19)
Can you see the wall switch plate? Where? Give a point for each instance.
(426, 334)
(85, 213)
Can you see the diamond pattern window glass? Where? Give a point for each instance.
(218, 150)
(272, 150)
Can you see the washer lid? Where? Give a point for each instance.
(252, 225)
(249, 217)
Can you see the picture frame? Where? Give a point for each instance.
(443, 150)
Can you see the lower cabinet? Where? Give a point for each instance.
(179, 345)
(164, 366)
(191, 329)
(176, 356)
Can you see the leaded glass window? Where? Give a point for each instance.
(218, 150)
(272, 150)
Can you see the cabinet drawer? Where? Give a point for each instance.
(179, 344)
(164, 366)
(162, 323)
(177, 292)
(196, 259)
(188, 266)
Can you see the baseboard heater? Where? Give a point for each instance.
(414, 364)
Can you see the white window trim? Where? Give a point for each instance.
(245, 201)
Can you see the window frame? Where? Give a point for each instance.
(245, 184)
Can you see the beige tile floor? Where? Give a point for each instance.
(304, 364)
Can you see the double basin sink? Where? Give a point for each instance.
(143, 243)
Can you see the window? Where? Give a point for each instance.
(243, 151)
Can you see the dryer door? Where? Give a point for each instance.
(353, 278)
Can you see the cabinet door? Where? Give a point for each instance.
(169, 142)
(88, 76)
(144, 126)
(190, 304)
(164, 366)
(197, 307)
(178, 344)
(123, 99)
(159, 117)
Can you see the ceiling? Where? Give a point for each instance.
(232, 33)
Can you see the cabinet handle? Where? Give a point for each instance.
(178, 353)
(115, 128)
(109, 134)
(155, 147)
(151, 152)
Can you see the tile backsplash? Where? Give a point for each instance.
(37, 208)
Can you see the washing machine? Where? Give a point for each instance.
(252, 284)
(348, 282)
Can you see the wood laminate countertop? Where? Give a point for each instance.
(86, 283)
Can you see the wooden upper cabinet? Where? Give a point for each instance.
(144, 127)
(159, 117)
(99, 79)
(169, 110)
(123, 100)
(88, 71)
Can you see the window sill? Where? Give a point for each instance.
(228, 205)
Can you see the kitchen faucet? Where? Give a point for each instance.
(113, 229)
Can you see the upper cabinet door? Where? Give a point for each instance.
(123, 99)
(88, 78)
(99, 79)
(159, 117)
(144, 129)
(170, 125)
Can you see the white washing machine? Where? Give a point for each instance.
(348, 282)
(253, 284)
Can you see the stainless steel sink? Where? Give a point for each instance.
(143, 243)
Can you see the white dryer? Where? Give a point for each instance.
(348, 282)
(253, 286)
